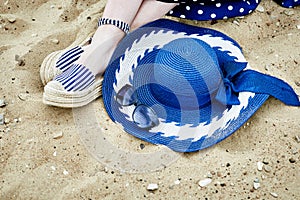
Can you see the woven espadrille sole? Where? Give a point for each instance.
(48, 70)
(56, 95)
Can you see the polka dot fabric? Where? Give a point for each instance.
(217, 9)
(288, 3)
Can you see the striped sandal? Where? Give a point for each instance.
(77, 86)
(59, 61)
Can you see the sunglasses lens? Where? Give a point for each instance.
(126, 96)
(145, 117)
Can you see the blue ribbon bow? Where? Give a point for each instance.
(236, 79)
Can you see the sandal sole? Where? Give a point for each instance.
(64, 99)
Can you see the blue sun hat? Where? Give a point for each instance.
(183, 86)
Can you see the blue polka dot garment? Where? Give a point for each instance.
(288, 3)
(217, 9)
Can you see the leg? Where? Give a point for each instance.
(105, 39)
(94, 59)
(151, 10)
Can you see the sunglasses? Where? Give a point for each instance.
(143, 116)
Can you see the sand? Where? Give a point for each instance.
(35, 164)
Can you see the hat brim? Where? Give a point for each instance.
(182, 137)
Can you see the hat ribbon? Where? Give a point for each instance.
(236, 80)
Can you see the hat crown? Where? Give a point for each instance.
(187, 67)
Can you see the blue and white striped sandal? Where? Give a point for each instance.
(77, 85)
(59, 61)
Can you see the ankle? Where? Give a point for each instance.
(108, 33)
(109, 28)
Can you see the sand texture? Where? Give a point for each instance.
(54, 153)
